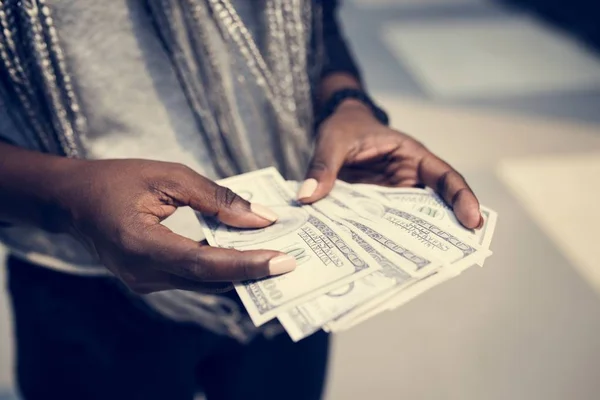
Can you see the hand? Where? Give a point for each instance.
(354, 146)
(116, 207)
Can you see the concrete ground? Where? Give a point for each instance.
(515, 105)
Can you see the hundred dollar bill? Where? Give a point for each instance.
(309, 317)
(419, 201)
(382, 236)
(387, 302)
(431, 238)
(325, 255)
(355, 201)
(422, 201)
(394, 298)
(383, 302)
(432, 233)
(426, 201)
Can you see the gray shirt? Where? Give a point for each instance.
(133, 100)
(134, 104)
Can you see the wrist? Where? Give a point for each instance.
(354, 100)
(70, 184)
(31, 188)
(354, 105)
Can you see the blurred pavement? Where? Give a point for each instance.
(515, 106)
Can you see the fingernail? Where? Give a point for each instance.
(281, 264)
(264, 212)
(308, 188)
(481, 221)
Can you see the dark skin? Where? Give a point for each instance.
(354, 146)
(115, 206)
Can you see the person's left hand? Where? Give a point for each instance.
(354, 146)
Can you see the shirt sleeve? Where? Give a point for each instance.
(338, 57)
(9, 133)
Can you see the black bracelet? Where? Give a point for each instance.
(338, 97)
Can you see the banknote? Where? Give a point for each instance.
(430, 237)
(426, 201)
(387, 301)
(309, 317)
(423, 203)
(397, 248)
(325, 255)
(362, 250)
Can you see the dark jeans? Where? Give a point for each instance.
(85, 338)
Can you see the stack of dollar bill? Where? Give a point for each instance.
(362, 250)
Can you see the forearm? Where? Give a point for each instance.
(340, 70)
(30, 188)
(338, 56)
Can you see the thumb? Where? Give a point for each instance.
(328, 158)
(169, 252)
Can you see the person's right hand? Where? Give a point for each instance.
(116, 207)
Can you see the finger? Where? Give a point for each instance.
(453, 188)
(186, 258)
(211, 199)
(328, 158)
